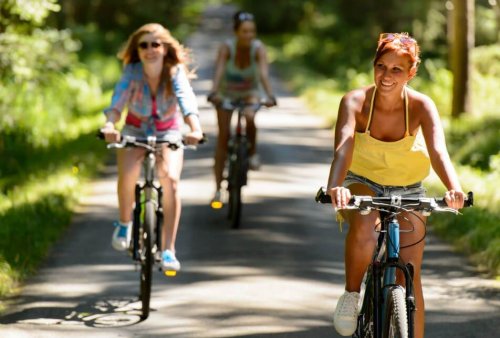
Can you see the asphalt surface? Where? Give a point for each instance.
(278, 276)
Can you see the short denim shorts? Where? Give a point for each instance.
(172, 135)
(413, 190)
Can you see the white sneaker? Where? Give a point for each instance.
(121, 236)
(345, 318)
(254, 162)
(169, 262)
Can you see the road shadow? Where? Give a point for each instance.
(101, 313)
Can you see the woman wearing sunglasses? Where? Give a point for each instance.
(386, 138)
(241, 72)
(153, 86)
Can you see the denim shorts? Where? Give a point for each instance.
(172, 135)
(413, 190)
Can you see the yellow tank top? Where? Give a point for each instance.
(399, 163)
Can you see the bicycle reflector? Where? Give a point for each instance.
(216, 204)
(170, 273)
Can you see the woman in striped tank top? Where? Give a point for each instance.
(241, 74)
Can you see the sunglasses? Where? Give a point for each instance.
(404, 40)
(245, 17)
(146, 45)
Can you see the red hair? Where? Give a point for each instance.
(401, 43)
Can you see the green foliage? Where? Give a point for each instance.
(50, 107)
(31, 12)
(486, 60)
(474, 141)
(477, 231)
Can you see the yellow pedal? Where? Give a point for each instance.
(216, 205)
(170, 273)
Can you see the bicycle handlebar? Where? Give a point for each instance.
(148, 142)
(411, 203)
(240, 104)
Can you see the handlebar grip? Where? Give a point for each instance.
(469, 201)
(322, 196)
(100, 135)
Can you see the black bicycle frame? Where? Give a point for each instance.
(147, 188)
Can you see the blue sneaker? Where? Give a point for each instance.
(121, 236)
(169, 262)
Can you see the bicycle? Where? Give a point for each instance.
(148, 213)
(387, 309)
(238, 162)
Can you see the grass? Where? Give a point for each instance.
(36, 204)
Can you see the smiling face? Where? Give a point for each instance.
(392, 71)
(151, 49)
(245, 33)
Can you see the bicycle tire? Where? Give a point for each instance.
(396, 321)
(365, 317)
(235, 206)
(237, 178)
(147, 257)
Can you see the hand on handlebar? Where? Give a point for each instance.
(214, 98)
(340, 197)
(111, 135)
(270, 102)
(193, 138)
(455, 199)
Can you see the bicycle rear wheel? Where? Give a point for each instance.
(396, 322)
(237, 179)
(146, 244)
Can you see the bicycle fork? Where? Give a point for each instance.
(389, 274)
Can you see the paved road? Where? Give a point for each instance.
(279, 276)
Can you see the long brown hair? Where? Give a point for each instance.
(175, 53)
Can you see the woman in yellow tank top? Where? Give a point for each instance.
(386, 138)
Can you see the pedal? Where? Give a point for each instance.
(216, 205)
(170, 273)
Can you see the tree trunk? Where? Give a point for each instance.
(463, 25)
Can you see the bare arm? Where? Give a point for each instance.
(220, 63)
(196, 133)
(438, 153)
(344, 145)
(264, 70)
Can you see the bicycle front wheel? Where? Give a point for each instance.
(146, 244)
(365, 318)
(235, 206)
(396, 322)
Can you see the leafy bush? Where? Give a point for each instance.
(49, 103)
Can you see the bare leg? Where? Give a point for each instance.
(223, 119)
(251, 130)
(414, 255)
(129, 169)
(169, 172)
(360, 242)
